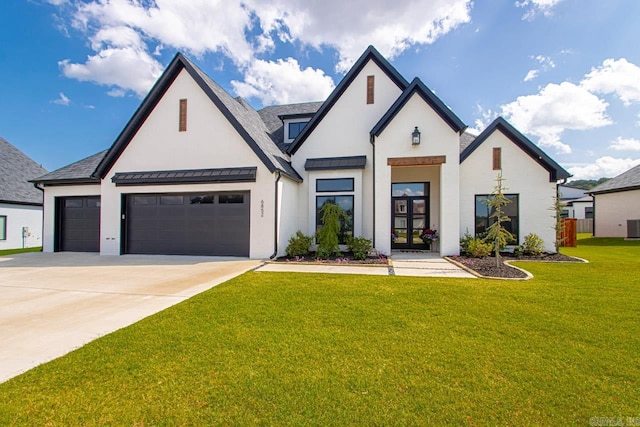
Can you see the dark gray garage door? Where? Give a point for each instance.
(187, 224)
(78, 224)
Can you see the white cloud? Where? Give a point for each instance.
(122, 62)
(283, 82)
(62, 100)
(242, 29)
(486, 116)
(625, 144)
(603, 167)
(553, 110)
(535, 7)
(57, 2)
(532, 74)
(619, 77)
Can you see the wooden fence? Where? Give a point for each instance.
(585, 225)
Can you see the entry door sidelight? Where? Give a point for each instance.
(409, 214)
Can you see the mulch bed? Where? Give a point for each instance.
(486, 266)
(345, 258)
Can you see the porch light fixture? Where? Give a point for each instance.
(415, 137)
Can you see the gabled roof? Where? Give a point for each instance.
(80, 172)
(417, 87)
(556, 172)
(16, 169)
(243, 118)
(627, 181)
(371, 54)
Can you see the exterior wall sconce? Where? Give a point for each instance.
(415, 137)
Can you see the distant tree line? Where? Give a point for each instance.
(586, 184)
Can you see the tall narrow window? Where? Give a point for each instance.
(497, 158)
(183, 116)
(3, 227)
(370, 86)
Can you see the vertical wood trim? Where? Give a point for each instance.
(370, 88)
(497, 158)
(182, 127)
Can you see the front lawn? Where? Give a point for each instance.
(298, 349)
(20, 251)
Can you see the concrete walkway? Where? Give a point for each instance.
(51, 304)
(415, 264)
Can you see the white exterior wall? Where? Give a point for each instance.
(50, 195)
(612, 210)
(579, 209)
(290, 220)
(19, 216)
(344, 131)
(523, 176)
(209, 142)
(437, 139)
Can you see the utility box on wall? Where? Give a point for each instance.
(633, 229)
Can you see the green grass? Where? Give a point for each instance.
(19, 251)
(275, 349)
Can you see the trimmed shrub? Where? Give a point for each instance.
(299, 244)
(479, 248)
(360, 247)
(465, 241)
(533, 244)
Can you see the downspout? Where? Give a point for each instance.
(275, 219)
(372, 140)
(35, 184)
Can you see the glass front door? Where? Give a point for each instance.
(409, 214)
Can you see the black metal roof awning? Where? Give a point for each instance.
(190, 176)
(332, 163)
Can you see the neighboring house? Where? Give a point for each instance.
(615, 202)
(20, 201)
(577, 202)
(196, 171)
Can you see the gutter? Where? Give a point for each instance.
(275, 218)
(372, 140)
(35, 184)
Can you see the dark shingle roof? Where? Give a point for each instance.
(271, 116)
(191, 176)
(629, 180)
(333, 163)
(466, 138)
(16, 169)
(79, 172)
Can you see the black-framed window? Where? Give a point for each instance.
(334, 185)
(346, 203)
(3, 227)
(295, 128)
(483, 216)
(588, 212)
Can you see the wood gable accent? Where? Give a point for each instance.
(183, 116)
(497, 158)
(417, 161)
(370, 88)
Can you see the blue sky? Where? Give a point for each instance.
(565, 72)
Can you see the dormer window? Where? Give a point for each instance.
(295, 128)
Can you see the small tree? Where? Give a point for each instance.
(332, 217)
(497, 235)
(557, 208)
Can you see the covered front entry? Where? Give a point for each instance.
(204, 223)
(409, 214)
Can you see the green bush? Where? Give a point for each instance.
(533, 244)
(479, 248)
(360, 246)
(299, 244)
(465, 241)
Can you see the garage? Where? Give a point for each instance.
(213, 224)
(78, 221)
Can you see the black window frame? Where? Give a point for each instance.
(3, 227)
(344, 231)
(512, 226)
(588, 212)
(299, 125)
(349, 189)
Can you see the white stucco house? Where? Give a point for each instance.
(196, 171)
(617, 206)
(20, 201)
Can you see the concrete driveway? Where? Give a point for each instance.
(51, 304)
